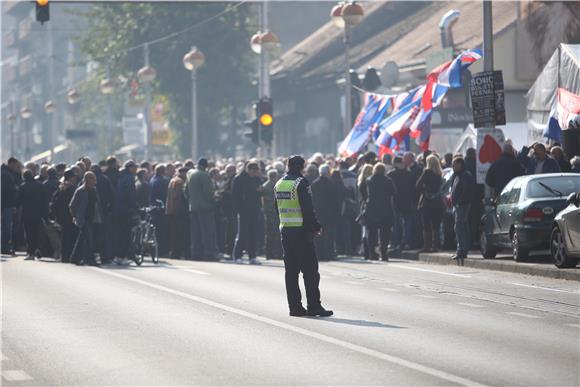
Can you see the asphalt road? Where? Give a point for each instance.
(203, 323)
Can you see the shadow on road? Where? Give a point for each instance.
(360, 323)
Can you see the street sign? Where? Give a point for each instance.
(487, 99)
(489, 148)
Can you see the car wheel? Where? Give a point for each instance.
(558, 251)
(488, 251)
(520, 253)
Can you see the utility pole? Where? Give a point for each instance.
(347, 83)
(52, 120)
(147, 106)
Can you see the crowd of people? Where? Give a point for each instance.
(226, 209)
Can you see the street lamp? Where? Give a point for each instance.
(107, 87)
(146, 75)
(50, 107)
(347, 15)
(25, 114)
(192, 61)
(255, 43)
(269, 40)
(73, 97)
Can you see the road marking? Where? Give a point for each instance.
(390, 290)
(470, 304)
(522, 315)
(186, 268)
(305, 332)
(352, 283)
(195, 271)
(431, 271)
(424, 296)
(574, 325)
(541, 287)
(15, 375)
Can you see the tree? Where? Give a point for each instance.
(115, 35)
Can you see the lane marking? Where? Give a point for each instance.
(470, 305)
(424, 296)
(390, 290)
(543, 288)
(195, 271)
(186, 268)
(522, 315)
(430, 271)
(15, 375)
(305, 332)
(352, 283)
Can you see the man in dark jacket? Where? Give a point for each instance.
(84, 208)
(416, 170)
(404, 203)
(298, 225)
(157, 197)
(112, 170)
(503, 170)
(59, 210)
(247, 196)
(104, 236)
(327, 205)
(142, 188)
(34, 209)
(9, 200)
(379, 212)
(462, 193)
(125, 208)
(540, 162)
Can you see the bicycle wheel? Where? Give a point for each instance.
(153, 247)
(137, 246)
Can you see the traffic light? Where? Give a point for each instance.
(42, 11)
(265, 114)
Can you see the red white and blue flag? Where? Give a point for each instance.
(566, 109)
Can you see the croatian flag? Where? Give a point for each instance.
(369, 116)
(447, 75)
(566, 109)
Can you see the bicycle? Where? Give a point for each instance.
(143, 237)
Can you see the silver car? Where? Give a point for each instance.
(565, 237)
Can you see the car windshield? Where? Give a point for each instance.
(553, 186)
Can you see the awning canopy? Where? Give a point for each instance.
(561, 71)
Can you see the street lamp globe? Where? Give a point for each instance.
(50, 107)
(146, 74)
(269, 40)
(256, 43)
(336, 15)
(194, 59)
(72, 96)
(352, 13)
(107, 86)
(25, 113)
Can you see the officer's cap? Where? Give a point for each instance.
(296, 162)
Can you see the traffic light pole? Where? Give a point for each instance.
(264, 89)
(487, 66)
(347, 83)
(147, 107)
(194, 130)
(52, 121)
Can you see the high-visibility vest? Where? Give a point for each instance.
(288, 203)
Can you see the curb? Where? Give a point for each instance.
(485, 264)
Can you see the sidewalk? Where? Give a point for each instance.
(539, 265)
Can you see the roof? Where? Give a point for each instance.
(424, 39)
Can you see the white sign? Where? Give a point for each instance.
(489, 148)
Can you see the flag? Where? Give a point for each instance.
(395, 128)
(448, 75)
(566, 108)
(360, 134)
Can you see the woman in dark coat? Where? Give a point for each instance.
(430, 202)
(60, 212)
(363, 175)
(379, 211)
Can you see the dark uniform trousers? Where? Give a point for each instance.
(300, 256)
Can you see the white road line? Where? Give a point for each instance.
(543, 288)
(353, 283)
(522, 315)
(15, 375)
(470, 305)
(430, 271)
(186, 268)
(424, 296)
(195, 271)
(390, 290)
(305, 332)
(574, 325)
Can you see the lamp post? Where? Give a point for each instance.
(347, 15)
(11, 119)
(25, 114)
(107, 87)
(146, 75)
(50, 108)
(192, 61)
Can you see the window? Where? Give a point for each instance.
(555, 186)
(505, 194)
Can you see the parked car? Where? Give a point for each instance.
(447, 225)
(523, 214)
(565, 237)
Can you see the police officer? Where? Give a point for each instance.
(298, 226)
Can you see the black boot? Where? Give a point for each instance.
(298, 312)
(319, 312)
